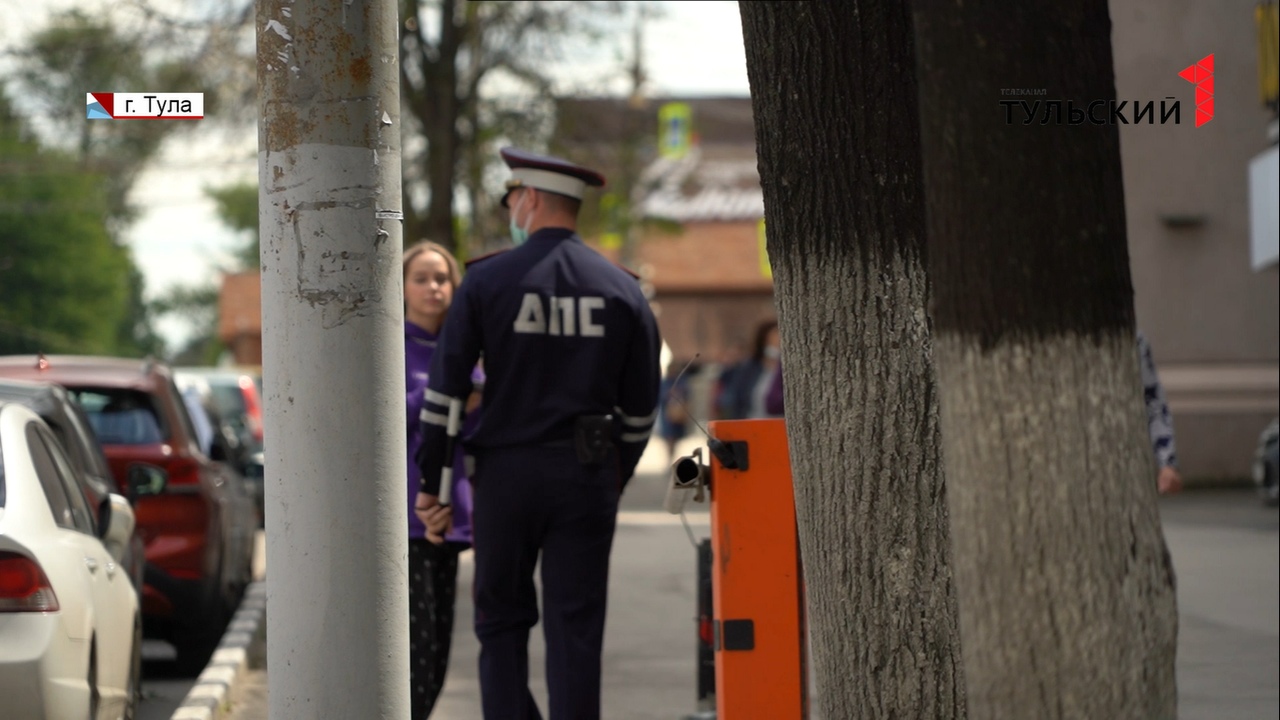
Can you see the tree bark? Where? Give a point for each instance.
(429, 77)
(834, 97)
(1066, 588)
(440, 125)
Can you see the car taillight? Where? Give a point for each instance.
(24, 586)
(706, 632)
(253, 410)
(183, 471)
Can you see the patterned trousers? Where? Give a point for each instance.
(433, 580)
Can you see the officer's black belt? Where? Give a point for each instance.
(592, 439)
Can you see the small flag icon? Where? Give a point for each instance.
(95, 109)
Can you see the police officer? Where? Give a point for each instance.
(570, 350)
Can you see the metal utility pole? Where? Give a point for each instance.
(333, 359)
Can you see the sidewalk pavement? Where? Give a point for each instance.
(1225, 547)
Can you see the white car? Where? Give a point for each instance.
(70, 627)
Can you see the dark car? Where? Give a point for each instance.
(198, 532)
(71, 427)
(235, 396)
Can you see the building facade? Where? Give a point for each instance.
(1211, 317)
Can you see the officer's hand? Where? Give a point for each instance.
(438, 519)
(1169, 481)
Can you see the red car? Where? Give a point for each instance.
(198, 532)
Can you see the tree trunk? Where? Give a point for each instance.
(431, 94)
(441, 128)
(834, 99)
(1066, 589)
(413, 221)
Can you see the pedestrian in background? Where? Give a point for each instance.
(673, 401)
(1159, 422)
(743, 392)
(731, 360)
(773, 404)
(430, 276)
(570, 350)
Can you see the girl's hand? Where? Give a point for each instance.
(437, 518)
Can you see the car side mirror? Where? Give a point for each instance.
(117, 528)
(146, 479)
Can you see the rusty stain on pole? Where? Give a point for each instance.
(333, 358)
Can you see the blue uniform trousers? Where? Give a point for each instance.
(531, 500)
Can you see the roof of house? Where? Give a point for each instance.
(715, 181)
(708, 184)
(240, 305)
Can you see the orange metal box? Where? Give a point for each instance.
(757, 583)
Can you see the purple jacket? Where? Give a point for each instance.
(419, 346)
(773, 400)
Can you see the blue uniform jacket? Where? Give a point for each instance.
(563, 332)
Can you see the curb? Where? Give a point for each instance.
(210, 697)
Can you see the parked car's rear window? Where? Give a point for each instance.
(122, 417)
(228, 398)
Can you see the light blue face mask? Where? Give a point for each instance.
(519, 235)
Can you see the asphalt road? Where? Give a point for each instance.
(163, 688)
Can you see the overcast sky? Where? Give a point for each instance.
(695, 49)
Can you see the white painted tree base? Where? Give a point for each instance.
(1067, 603)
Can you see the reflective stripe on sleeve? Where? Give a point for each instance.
(433, 418)
(635, 437)
(637, 422)
(436, 398)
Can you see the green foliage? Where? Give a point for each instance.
(201, 351)
(136, 335)
(78, 53)
(197, 305)
(451, 55)
(237, 207)
(132, 47)
(64, 282)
